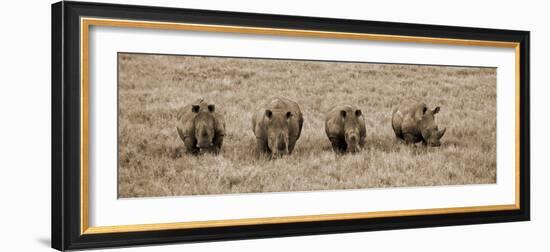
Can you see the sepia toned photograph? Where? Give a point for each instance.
(201, 125)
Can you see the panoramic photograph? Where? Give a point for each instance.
(202, 125)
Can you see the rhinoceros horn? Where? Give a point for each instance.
(440, 133)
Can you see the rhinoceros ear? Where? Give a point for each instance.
(358, 113)
(288, 114)
(436, 110)
(343, 113)
(211, 107)
(424, 109)
(195, 108)
(268, 113)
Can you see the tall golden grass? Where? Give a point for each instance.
(153, 87)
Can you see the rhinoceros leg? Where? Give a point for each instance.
(424, 143)
(362, 141)
(338, 144)
(291, 145)
(218, 141)
(191, 145)
(410, 138)
(261, 147)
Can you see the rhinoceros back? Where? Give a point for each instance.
(406, 118)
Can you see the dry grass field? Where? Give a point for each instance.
(153, 87)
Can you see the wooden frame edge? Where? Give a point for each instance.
(290, 32)
(86, 22)
(289, 219)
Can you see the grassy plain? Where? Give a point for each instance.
(153, 87)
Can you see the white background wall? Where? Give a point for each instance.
(25, 125)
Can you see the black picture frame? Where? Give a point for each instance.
(66, 114)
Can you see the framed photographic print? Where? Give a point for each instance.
(182, 125)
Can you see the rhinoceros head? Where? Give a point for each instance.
(204, 125)
(429, 130)
(351, 129)
(277, 131)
